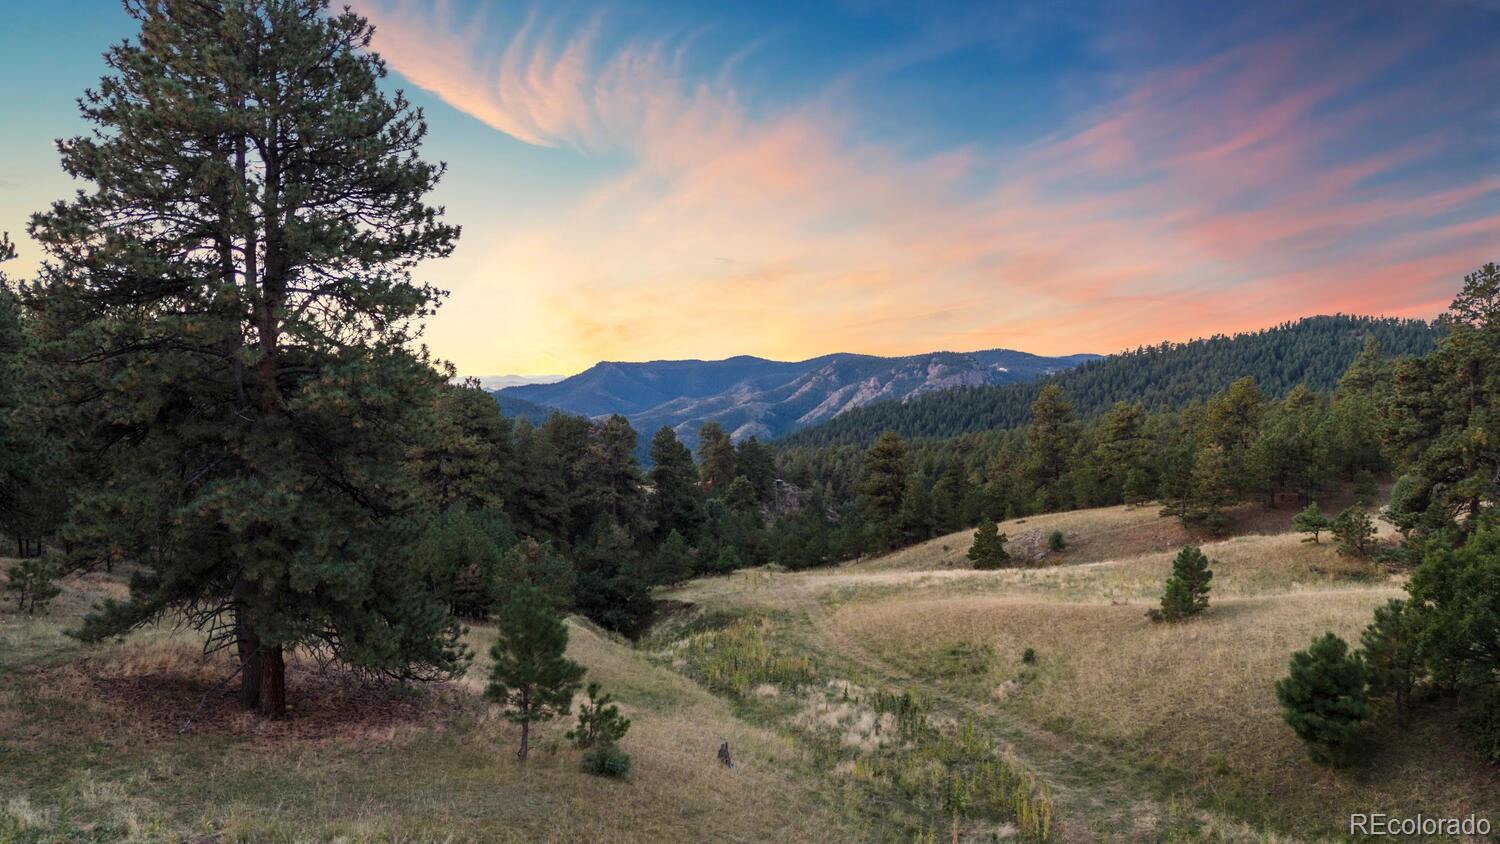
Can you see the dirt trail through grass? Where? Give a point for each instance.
(1097, 796)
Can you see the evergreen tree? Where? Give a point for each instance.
(949, 496)
(236, 355)
(883, 490)
(1389, 650)
(531, 676)
(1231, 422)
(988, 550)
(539, 565)
(741, 497)
(1442, 421)
(599, 721)
(1323, 697)
(917, 523)
(1211, 489)
(1048, 439)
(1311, 520)
(715, 458)
(1122, 450)
(1138, 486)
(1354, 531)
(611, 477)
(614, 585)
(460, 557)
(672, 561)
(677, 503)
(466, 457)
(1454, 610)
(754, 462)
(539, 506)
(1186, 592)
(33, 583)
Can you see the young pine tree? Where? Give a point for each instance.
(1354, 531)
(988, 550)
(599, 721)
(1186, 592)
(236, 355)
(1323, 698)
(32, 581)
(1311, 521)
(531, 677)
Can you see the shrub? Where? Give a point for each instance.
(1354, 531)
(1323, 698)
(1029, 656)
(599, 721)
(1056, 541)
(31, 581)
(1186, 592)
(988, 551)
(606, 760)
(1365, 488)
(1311, 521)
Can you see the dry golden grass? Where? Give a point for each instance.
(1195, 698)
(1092, 535)
(71, 757)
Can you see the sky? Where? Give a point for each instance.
(658, 180)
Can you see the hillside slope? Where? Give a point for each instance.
(1314, 351)
(1140, 731)
(752, 396)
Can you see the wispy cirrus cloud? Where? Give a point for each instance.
(1271, 178)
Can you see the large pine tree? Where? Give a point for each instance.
(230, 310)
(884, 489)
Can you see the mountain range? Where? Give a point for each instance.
(752, 396)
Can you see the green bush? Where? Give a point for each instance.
(606, 760)
(1029, 656)
(1056, 541)
(1323, 698)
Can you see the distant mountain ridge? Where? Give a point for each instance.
(752, 396)
(1314, 351)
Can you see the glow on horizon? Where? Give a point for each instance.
(658, 181)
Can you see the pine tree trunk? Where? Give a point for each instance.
(247, 644)
(272, 682)
(525, 740)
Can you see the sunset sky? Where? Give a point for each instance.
(678, 180)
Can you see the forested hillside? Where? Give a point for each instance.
(1314, 351)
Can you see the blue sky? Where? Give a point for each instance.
(654, 180)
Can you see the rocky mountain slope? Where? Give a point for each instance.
(752, 396)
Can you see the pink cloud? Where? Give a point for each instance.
(1222, 195)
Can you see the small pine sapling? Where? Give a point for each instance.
(1311, 521)
(1323, 698)
(531, 676)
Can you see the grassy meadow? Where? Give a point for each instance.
(884, 700)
